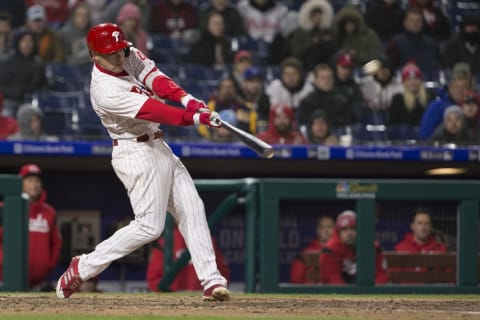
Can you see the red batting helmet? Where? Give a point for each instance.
(106, 38)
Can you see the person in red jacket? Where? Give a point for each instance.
(338, 258)
(282, 128)
(299, 270)
(44, 238)
(421, 239)
(186, 279)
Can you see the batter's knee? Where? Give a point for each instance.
(151, 232)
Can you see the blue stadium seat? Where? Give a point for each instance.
(65, 77)
(402, 132)
(199, 72)
(163, 49)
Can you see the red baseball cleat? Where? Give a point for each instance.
(216, 293)
(70, 281)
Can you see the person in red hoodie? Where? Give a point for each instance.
(186, 279)
(44, 238)
(338, 258)
(8, 125)
(421, 239)
(282, 127)
(299, 270)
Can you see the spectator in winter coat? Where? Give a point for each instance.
(464, 46)
(74, 33)
(347, 90)
(460, 82)
(44, 239)
(282, 126)
(379, 89)
(263, 18)
(186, 279)
(338, 258)
(324, 231)
(213, 49)
(435, 21)
(292, 86)
(353, 35)
(50, 48)
(384, 17)
(414, 45)
(129, 19)
(234, 24)
(313, 42)
(319, 130)
(454, 128)
(408, 106)
(173, 17)
(22, 73)
(325, 97)
(30, 120)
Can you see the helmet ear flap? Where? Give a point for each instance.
(126, 51)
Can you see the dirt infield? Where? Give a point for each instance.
(397, 308)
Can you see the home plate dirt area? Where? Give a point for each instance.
(244, 305)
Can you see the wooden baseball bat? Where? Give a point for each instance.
(262, 148)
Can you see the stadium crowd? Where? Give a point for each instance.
(291, 72)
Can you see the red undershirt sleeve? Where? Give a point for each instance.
(166, 88)
(159, 112)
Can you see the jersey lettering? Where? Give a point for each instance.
(144, 91)
(140, 55)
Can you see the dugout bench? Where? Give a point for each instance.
(403, 268)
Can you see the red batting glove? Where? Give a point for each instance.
(210, 119)
(195, 105)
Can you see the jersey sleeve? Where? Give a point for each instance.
(145, 70)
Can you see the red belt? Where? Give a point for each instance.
(143, 138)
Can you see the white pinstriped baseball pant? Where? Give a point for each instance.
(156, 181)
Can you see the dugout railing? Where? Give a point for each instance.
(365, 193)
(14, 220)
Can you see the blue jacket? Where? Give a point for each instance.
(433, 116)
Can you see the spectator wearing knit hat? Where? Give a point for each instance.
(454, 128)
(408, 106)
(129, 19)
(460, 81)
(338, 259)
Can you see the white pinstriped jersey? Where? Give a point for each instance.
(117, 98)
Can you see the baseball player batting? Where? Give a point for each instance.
(126, 91)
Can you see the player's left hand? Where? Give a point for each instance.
(195, 105)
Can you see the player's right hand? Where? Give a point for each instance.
(210, 119)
